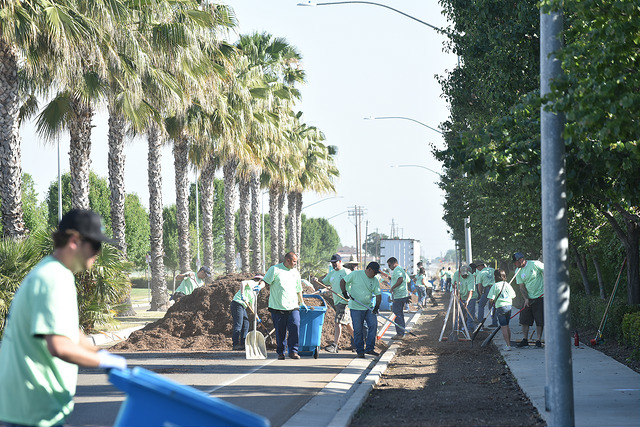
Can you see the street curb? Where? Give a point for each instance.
(344, 416)
(358, 391)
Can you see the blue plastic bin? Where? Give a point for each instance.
(153, 400)
(385, 304)
(311, 322)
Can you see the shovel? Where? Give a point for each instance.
(254, 342)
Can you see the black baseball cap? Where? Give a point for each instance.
(87, 223)
(517, 256)
(374, 266)
(335, 258)
(206, 270)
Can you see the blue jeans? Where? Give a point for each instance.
(283, 322)
(397, 308)
(422, 294)
(504, 315)
(359, 317)
(481, 304)
(471, 306)
(240, 323)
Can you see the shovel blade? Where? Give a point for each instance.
(255, 346)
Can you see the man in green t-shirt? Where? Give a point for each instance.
(531, 281)
(190, 281)
(465, 284)
(242, 301)
(285, 300)
(42, 345)
(485, 281)
(359, 287)
(400, 291)
(343, 315)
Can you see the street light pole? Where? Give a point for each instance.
(315, 203)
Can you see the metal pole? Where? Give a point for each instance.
(264, 256)
(467, 239)
(59, 187)
(197, 226)
(559, 376)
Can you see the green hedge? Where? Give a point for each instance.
(631, 332)
(586, 312)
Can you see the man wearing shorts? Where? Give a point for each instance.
(531, 281)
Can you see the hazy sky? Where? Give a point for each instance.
(361, 61)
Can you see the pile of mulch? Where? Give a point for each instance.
(202, 321)
(432, 383)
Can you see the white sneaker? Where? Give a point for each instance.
(506, 348)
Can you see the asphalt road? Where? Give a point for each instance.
(271, 388)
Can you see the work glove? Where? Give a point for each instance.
(322, 291)
(111, 361)
(257, 288)
(346, 295)
(375, 310)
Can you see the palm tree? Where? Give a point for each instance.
(49, 34)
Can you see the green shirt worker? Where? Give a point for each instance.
(190, 281)
(285, 299)
(359, 287)
(242, 301)
(501, 296)
(484, 281)
(531, 281)
(400, 291)
(43, 345)
(343, 315)
(465, 284)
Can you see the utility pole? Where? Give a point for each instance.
(357, 212)
(366, 243)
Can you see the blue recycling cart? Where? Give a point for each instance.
(153, 400)
(385, 303)
(311, 321)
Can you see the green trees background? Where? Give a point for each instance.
(492, 155)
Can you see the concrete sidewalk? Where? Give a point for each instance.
(605, 392)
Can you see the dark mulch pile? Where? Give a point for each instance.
(202, 321)
(431, 383)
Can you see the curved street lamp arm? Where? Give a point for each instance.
(410, 119)
(381, 5)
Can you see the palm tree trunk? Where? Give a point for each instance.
(159, 300)
(10, 156)
(298, 222)
(206, 187)
(256, 225)
(291, 222)
(244, 230)
(181, 164)
(229, 173)
(116, 177)
(79, 154)
(274, 223)
(282, 231)
(116, 185)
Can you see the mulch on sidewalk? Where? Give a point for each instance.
(432, 383)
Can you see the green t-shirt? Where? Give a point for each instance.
(284, 286)
(188, 285)
(245, 295)
(506, 292)
(485, 277)
(362, 289)
(36, 388)
(401, 291)
(465, 285)
(419, 279)
(333, 279)
(532, 275)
